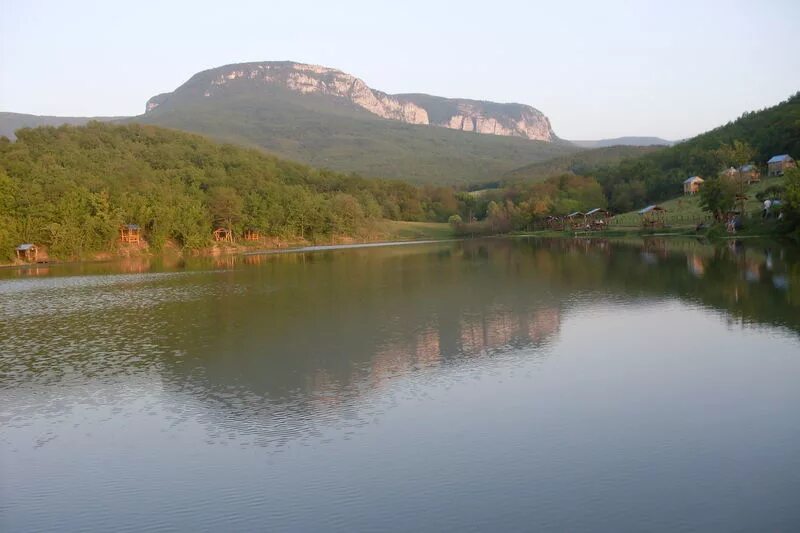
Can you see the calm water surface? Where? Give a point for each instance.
(505, 384)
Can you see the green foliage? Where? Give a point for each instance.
(718, 196)
(559, 195)
(632, 177)
(754, 137)
(70, 189)
(791, 199)
(583, 163)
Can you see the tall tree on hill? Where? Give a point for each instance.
(718, 196)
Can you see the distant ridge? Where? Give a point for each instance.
(624, 141)
(11, 122)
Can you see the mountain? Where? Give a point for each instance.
(11, 122)
(511, 120)
(328, 118)
(624, 141)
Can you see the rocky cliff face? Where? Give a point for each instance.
(515, 120)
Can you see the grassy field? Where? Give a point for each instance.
(409, 231)
(685, 211)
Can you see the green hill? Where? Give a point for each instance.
(633, 177)
(754, 137)
(582, 163)
(71, 188)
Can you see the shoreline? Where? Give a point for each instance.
(251, 251)
(230, 250)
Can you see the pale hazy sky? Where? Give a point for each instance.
(597, 69)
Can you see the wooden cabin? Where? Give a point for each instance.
(554, 223)
(692, 185)
(576, 220)
(653, 216)
(597, 218)
(749, 173)
(252, 235)
(130, 234)
(27, 252)
(223, 235)
(779, 164)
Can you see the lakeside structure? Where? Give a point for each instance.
(778, 164)
(653, 216)
(251, 234)
(692, 185)
(223, 235)
(27, 252)
(130, 234)
(749, 174)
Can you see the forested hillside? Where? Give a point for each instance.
(753, 137)
(70, 189)
(632, 177)
(581, 163)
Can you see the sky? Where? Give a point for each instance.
(597, 69)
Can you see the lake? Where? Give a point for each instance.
(489, 384)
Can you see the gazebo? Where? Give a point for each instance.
(749, 173)
(597, 218)
(653, 216)
(252, 234)
(576, 219)
(223, 235)
(692, 185)
(130, 233)
(554, 223)
(27, 252)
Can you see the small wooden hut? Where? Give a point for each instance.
(576, 220)
(27, 252)
(223, 235)
(597, 218)
(554, 223)
(692, 185)
(778, 164)
(749, 174)
(130, 234)
(653, 216)
(251, 234)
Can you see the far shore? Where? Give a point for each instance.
(300, 247)
(226, 250)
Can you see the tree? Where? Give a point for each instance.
(791, 207)
(225, 206)
(718, 196)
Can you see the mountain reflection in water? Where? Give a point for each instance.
(264, 352)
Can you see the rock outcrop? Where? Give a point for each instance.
(490, 118)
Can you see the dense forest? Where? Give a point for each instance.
(70, 189)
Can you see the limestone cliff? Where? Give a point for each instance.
(491, 118)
